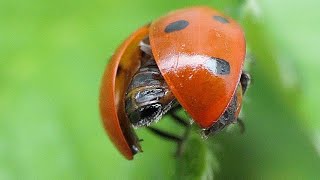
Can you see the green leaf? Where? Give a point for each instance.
(196, 162)
(53, 54)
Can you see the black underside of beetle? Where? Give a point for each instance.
(149, 98)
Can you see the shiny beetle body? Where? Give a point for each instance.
(191, 58)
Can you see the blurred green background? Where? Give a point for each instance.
(53, 54)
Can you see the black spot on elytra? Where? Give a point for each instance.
(223, 67)
(176, 26)
(221, 19)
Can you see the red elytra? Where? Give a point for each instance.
(181, 55)
(184, 44)
(114, 84)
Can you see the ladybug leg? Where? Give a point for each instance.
(241, 125)
(184, 123)
(245, 81)
(176, 118)
(164, 134)
(181, 144)
(219, 126)
(179, 120)
(171, 137)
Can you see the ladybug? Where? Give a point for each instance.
(190, 58)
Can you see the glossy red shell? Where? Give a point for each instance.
(181, 57)
(239, 94)
(122, 66)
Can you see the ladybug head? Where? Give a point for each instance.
(143, 107)
(148, 97)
